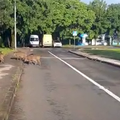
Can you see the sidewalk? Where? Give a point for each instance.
(97, 58)
(9, 72)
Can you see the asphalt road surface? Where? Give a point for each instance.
(56, 91)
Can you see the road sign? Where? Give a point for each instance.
(74, 33)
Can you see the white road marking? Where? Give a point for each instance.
(67, 58)
(89, 79)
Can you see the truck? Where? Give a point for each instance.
(47, 40)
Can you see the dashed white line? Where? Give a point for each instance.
(88, 78)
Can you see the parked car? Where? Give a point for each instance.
(57, 43)
(105, 43)
(98, 42)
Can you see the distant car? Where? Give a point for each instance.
(98, 42)
(57, 43)
(105, 43)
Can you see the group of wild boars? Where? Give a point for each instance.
(32, 59)
(27, 58)
(1, 57)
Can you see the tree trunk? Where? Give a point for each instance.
(12, 39)
(8, 42)
(69, 41)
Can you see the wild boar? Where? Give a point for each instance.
(1, 57)
(28, 59)
(19, 55)
(32, 59)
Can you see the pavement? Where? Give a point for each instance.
(67, 87)
(96, 57)
(7, 74)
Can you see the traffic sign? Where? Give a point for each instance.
(74, 33)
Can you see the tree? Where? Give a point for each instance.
(6, 20)
(59, 17)
(77, 17)
(113, 13)
(101, 23)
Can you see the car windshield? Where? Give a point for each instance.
(33, 39)
(57, 41)
(99, 41)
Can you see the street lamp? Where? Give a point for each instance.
(15, 22)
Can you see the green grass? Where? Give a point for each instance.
(6, 50)
(109, 53)
(68, 46)
(85, 47)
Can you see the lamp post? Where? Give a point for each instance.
(15, 23)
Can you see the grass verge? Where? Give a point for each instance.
(68, 46)
(6, 50)
(109, 53)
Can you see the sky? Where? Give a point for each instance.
(108, 1)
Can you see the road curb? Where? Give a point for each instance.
(90, 57)
(9, 99)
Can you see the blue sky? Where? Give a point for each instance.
(108, 1)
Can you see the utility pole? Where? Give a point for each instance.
(74, 42)
(74, 34)
(15, 23)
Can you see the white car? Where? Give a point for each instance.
(57, 44)
(105, 43)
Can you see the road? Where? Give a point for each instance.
(55, 91)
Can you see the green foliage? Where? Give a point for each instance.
(113, 13)
(60, 16)
(5, 15)
(101, 24)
